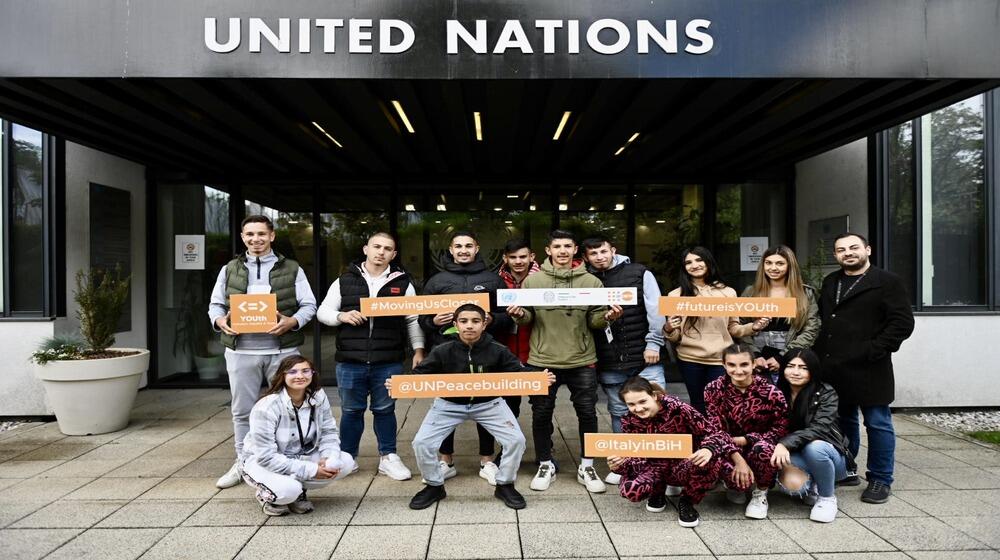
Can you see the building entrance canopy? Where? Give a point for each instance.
(524, 39)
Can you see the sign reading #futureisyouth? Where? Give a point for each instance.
(552, 297)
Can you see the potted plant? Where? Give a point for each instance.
(91, 386)
(193, 334)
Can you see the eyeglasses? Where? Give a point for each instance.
(304, 372)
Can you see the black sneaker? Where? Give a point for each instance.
(509, 496)
(876, 493)
(426, 497)
(687, 516)
(656, 503)
(852, 479)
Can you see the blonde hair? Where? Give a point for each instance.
(793, 283)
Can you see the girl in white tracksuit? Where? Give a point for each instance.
(293, 444)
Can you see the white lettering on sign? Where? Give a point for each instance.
(606, 36)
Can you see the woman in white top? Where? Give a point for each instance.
(293, 444)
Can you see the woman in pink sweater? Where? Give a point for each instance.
(699, 341)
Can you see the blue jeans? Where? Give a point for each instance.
(612, 381)
(824, 465)
(696, 376)
(881, 438)
(355, 383)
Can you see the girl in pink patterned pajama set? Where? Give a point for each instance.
(754, 414)
(653, 412)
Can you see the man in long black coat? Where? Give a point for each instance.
(866, 315)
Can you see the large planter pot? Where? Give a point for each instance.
(93, 396)
(210, 368)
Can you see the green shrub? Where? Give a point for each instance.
(101, 296)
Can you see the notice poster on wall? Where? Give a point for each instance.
(189, 252)
(751, 252)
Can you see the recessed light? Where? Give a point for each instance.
(479, 125)
(627, 142)
(498, 209)
(410, 208)
(508, 222)
(402, 115)
(661, 221)
(532, 208)
(564, 207)
(562, 124)
(442, 208)
(332, 139)
(512, 196)
(619, 206)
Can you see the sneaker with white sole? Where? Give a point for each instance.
(488, 472)
(543, 478)
(232, 477)
(392, 466)
(757, 508)
(587, 476)
(301, 504)
(734, 496)
(613, 479)
(673, 491)
(273, 510)
(447, 471)
(825, 510)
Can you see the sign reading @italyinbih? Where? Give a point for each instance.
(469, 385)
(545, 297)
(695, 306)
(420, 305)
(253, 313)
(659, 446)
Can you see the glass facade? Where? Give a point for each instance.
(746, 210)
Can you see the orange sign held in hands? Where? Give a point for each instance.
(253, 313)
(660, 446)
(424, 386)
(420, 305)
(672, 306)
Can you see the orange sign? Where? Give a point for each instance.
(420, 305)
(659, 446)
(469, 385)
(253, 313)
(727, 307)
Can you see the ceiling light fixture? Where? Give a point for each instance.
(479, 126)
(627, 142)
(661, 221)
(512, 196)
(410, 208)
(498, 209)
(402, 115)
(562, 124)
(532, 208)
(332, 139)
(619, 206)
(442, 208)
(564, 207)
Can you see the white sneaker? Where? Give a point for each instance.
(587, 476)
(825, 510)
(543, 478)
(274, 510)
(232, 477)
(488, 472)
(757, 508)
(392, 466)
(734, 496)
(447, 471)
(613, 479)
(673, 491)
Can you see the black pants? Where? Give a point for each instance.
(486, 440)
(582, 384)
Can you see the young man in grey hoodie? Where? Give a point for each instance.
(252, 358)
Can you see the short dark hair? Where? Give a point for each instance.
(847, 234)
(560, 234)
(463, 233)
(257, 219)
(470, 307)
(386, 235)
(515, 245)
(596, 241)
(737, 348)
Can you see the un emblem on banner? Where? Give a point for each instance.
(549, 297)
(508, 298)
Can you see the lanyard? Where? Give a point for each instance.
(298, 426)
(851, 287)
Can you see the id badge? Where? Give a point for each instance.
(608, 333)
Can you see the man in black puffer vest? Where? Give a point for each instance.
(465, 273)
(631, 345)
(371, 349)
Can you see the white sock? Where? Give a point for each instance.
(586, 463)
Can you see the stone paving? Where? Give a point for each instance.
(148, 492)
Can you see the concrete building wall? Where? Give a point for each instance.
(20, 393)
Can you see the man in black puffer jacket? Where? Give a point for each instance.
(465, 273)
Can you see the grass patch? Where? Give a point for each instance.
(989, 436)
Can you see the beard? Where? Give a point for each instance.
(861, 263)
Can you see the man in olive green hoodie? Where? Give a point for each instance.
(561, 341)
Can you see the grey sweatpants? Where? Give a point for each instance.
(246, 373)
(444, 416)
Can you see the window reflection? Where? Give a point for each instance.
(26, 211)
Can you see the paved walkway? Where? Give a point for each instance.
(149, 492)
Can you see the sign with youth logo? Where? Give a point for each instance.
(552, 297)
(253, 313)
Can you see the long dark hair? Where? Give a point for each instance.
(798, 410)
(712, 278)
(278, 381)
(639, 384)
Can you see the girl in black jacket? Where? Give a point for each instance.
(814, 455)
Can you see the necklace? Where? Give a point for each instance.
(851, 287)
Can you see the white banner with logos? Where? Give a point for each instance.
(555, 297)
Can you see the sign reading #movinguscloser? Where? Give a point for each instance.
(253, 313)
(546, 297)
(420, 305)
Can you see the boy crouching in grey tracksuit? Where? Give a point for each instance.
(473, 351)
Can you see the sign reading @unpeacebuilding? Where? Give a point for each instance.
(659, 446)
(544, 297)
(420, 305)
(727, 307)
(253, 313)
(469, 385)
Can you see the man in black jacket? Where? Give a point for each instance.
(473, 351)
(465, 273)
(866, 316)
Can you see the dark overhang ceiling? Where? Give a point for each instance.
(262, 129)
